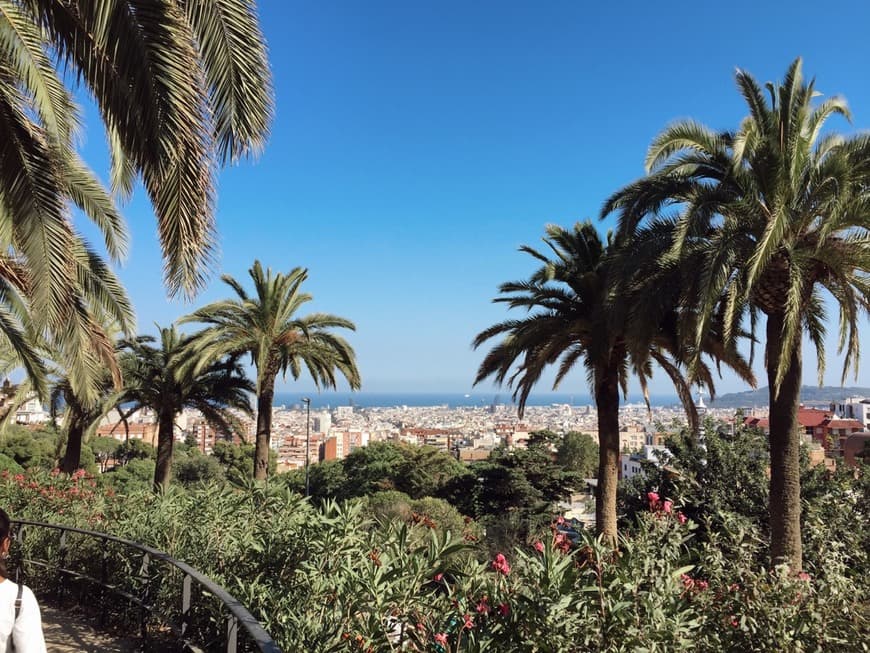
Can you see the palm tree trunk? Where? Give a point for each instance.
(785, 439)
(165, 443)
(264, 428)
(72, 456)
(607, 404)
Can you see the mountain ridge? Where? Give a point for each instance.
(810, 394)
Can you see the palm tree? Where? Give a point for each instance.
(81, 417)
(180, 86)
(266, 326)
(167, 380)
(776, 217)
(576, 312)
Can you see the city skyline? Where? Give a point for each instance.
(415, 149)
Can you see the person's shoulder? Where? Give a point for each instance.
(27, 596)
(8, 589)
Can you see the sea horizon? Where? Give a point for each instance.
(449, 399)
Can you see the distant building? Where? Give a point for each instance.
(631, 464)
(632, 438)
(820, 426)
(857, 408)
(31, 412)
(333, 448)
(145, 431)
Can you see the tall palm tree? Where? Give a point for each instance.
(181, 85)
(776, 216)
(576, 311)
(266, 326)
(167, 380)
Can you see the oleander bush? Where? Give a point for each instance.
(335, 578)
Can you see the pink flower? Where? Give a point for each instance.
(501, 565)
(734, 622)
(804, 576)
(483, 606)
(702, 585)
(653, 497)
(504, 609)
(667, 506)
(441, 638)
(561, 542)
(688, 581)
(682, 518)
(539, 546)
(437, 577)
(469, 622)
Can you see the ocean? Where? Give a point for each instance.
(450, 399)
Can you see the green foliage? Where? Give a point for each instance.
(728, 474)
(334, 579)
(135, 449)
(137, 474)
(8, 464)
(513, 493)
(237, 460)
(194, 467)
(30, 448)
(104, 448)
(577, 452)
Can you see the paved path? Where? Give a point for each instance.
(65, 634)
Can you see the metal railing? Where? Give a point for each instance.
(142, 586)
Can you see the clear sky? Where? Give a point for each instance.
(416, 145)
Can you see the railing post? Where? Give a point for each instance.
(143, 609)
(104, 579)
(61, 554)
(185, 604)
(232, 633)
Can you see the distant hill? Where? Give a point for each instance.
(810, 395)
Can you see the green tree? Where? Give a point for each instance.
(326, 480)
(166, 380)
(134, 449)
(425, 470)
(770, 217)
(29, 448)
(194, 467)
(237, 459)
(577, 314)
(137, 473)
(81, 416)
(104, 449)
(373, 468)
(266, 326)
(577, 452)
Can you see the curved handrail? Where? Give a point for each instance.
(240, 614)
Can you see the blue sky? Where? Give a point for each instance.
(415, 147)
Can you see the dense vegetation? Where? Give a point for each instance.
(727, 231)
(367, 574)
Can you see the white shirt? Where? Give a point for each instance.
(26, 631)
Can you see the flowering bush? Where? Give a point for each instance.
(331, 579)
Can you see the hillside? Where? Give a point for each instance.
(810, 395)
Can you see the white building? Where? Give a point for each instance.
(31, 412)
(857, 408)
(321, 422)
(631, 465)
